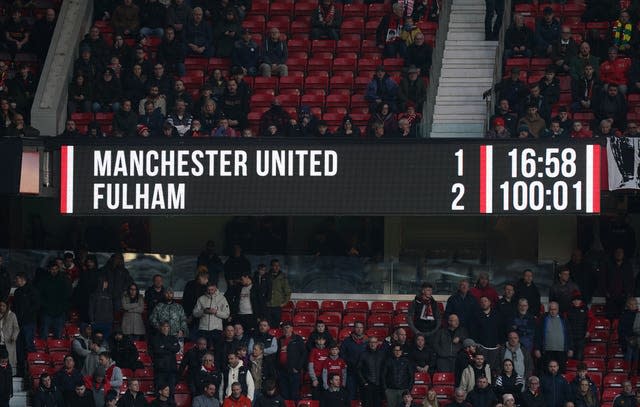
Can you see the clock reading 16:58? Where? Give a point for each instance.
(555, 162)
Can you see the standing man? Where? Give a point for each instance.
(244, 301)
(26, 302)
(236, 372)
(424, 315)
(563, 289)
(212, 308)
(154, 295)
(553, 342)
(350, 349)
(491, 28)
(462, 304)
(280, 293)
(292, 356)
(164, 347)
(55, 297)
(397, 376)
(370, 374)
(554, 388)
(447, 342)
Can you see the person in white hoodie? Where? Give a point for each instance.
(212, 308)
(236, 372)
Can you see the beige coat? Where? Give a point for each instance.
(10, 330)
(132, 323)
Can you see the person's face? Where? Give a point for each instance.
(80, 390)
(612, 91)
(54, 270)
(420, 341)
(212, 289)
(263, 327)
(358, 328)
(566, 33)
(170, 35)
(149, 109)
(419, 40)
(564, 276)
(632, 128)
(197, 16)
(397, 351)
(207, 360)
(453, 321)
(459, 396)
(165, 392)
(507, 366)
(513, 339)
(46, 382)
(534, 384)
(463, 287)
(407, 399)
(236, 391)
(509, 291)
(618, 254)
(509, 402)
(238, 330)
(432, 395)
(103, 361)
(229, 332)
(232, 87)
(154, 91)
(210, 390)
(126, 106)
(478, 360)
(20, 282)
(605, 127)
(504, 105)
(627, 387)
(158, 70)
(612, 55)
(320, 327)
(98, 338)
(553, 309)
(380, 74)
(402, 335)
(164, 329)
(334, 351)
(257, 351)
(134, 386)
(94, 33)
(373, 343)
(275, 267)
(178, 86)
(201, 344)
(553, 367)
(71, 126)
(535, 91)
(482, 382)
(485, 304)
(68, 362)
(335, 381)
(233, 359)
(322, 129)
(585, 49)
(624, 17)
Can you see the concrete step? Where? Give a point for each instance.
(467, 73)
(472, 44)
(460, 90)
(468, 53)
(451, 63)
(478, 36)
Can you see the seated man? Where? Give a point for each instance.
(381, 89)
(388, 33)
(419, 54)
(246, 54)
(585, 89)
(325, 21)
(198, 35)
(274, 55)
(518, 39)
(563, 49)
(547, 32)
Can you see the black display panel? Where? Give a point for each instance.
(257, 177)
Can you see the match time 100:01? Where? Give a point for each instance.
(538, 196)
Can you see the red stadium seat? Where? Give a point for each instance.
(595, 365)
(334, 331)
(332, 306)
(308, 403)
(610, 394)
(316, 82)
(298, 45)
(601, 324)
(82, 118)
(260, 7)
(37, 370)
(323, 46)
(181, 388)
(40, 344)
(63, 345)
(304, 8)
(312, 100)
(320, 63)
(400, 321)
(595, 350)
(57, 358)
(296, 63)
(419, 390)
(184, 400)
(71, 330)
(345, 45)
(358, 103)
(334, 101)
(279, 22)
(255, 25)
(380, 320)
(599, 309)
(141, 346)
(262, 100)
(355, 26)
(38, 358)
(421, 378)
(303, 331)
(354, 11)
(444, 392)
(304, 319)
(379, 333)
(385, 307)
(275, 332)
(599, 336)
(333, 119)
(289, 100)
(368, 64)
(344, 333)
(261, 83)
(331, 318)
(377, 10)
(349, 320)
(616, 379)
(300, 27)
(346, 64)
(281, 9)
(443, 379)
(126, 373)
(357, 306)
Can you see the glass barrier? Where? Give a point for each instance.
(319, 274)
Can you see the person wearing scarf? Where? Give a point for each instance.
(325, 21)
(622, 30)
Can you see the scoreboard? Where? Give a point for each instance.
(314, 177)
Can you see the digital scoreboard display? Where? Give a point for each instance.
(309, 177)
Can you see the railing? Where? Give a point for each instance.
(497, 70)
(436, 69)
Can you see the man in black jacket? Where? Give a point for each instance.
(292, 357)
(192, 361)
(244, 301)
(47, 395)
(424, 315)
(482, 395)
(165, 347)
(336, 395)
(81, 396)
(397, 376)
(370, 374)
(269, 396)
(133, 397)
(262, 283)
(25, 304)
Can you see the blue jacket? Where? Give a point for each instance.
(555, 390)
(350, 350)
(540, 333)
(466, 308)
(385, 89)
(246, 55)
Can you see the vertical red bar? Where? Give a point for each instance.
(63, 179)
(596, 179)
(483, 179)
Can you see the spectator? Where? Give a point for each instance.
(611, 104)
(216, 85)
(503, 111)
(66, 378)
(243, 383)
(226, 34)
(9, 331)
(235, 105)
(383, 115)
(554, 132)
(509, 382)
(55, 294)
(532, 396)
(211, 308)
(70, 130)
(605, 129)
(631, 131)
(262, 335)
(550, 86)
(133, 306)
(475, 371)
(198, 35)
(210, 259)
(305, 125)
(629, 338)
(209, 117)
(447, 342)
(155, 294)
(172, 313)
(280, 292)
(614, 71)
(246, 54)
(177, 17)
(43, 33)
(482, 394)
(47, 394)
(409, 31)
(463, 304)
(627, 397)
(180, 92)
(484, 289)
(369, 373)
(126, 18)
(397, 376)
(547, 32)
(140, 58)
(491, 27)
(22, 90)
(388, 33)
(164, 391)
(81, 396)
(180, 119)
(223, 129)
(208, 398)
(507, 305)
(382, 89)
(535, 98)
(579, 320)
(275, 116)
(616, 282)
(193, 290)
(206, 373)
(519, 39)
(162, 80)
(269, 396)
(113, 374)
(419, 55)
(553, 341)
(171, 53)
(263, 370)
(412, 88)
(164, 347)
(335, 395)
(603, 10)
(159, 102)
(274, 55)
(351, 348)
(291, 358)
(99, 49)
(101, 308)
(424, 316)
(563, 290)
(107, 93)
(80, 95)
(563, 50)
(152, 119)
(533, 121)
(325, 21)
(81, 345)
(585, 89)
(125, 121)
(555, 389)
(498, 129)
(17, 34)
(347, 128)
(318, 354)
(123, 51)
(511, 89)
(26, 303)
(124, 352)
(622, 35)
(459, 398)
(192, 362)
(152, 17)
(581, 374)
(334, 365)
(517, 353)
(579, 62)
(133, 397)
(236, 397)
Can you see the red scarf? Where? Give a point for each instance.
(327, 14)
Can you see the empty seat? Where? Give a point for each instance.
(443, 378)
(380, 320)
(332, 306)
(331, 318)
(382, 307)
(357, 306)
(379, 333)
(304, 319)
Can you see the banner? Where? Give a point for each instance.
(623, 163)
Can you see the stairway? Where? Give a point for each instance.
(467, 71)
(19, 398)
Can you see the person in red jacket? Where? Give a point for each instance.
(236, 398)
(484, 289)
(334, 365)
(317, 357)
(580, 132)
(614, 70)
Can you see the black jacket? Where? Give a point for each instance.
(127, 400)
(482, 397)
(370, 366)
(125, 353)
(397, 373)
(338, 398)
(416, 323)
(50, 397)
(6, 382)
(528, 399)
(192, 291)
(233, 297)
(269, 401)
(26, 302)
(5, 283)
(164, 349)
(296, 353)
(86, 401)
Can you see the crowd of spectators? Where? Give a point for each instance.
(237, 348)
(144, 61)
(588, 87)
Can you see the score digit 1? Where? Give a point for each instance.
(458, 188)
